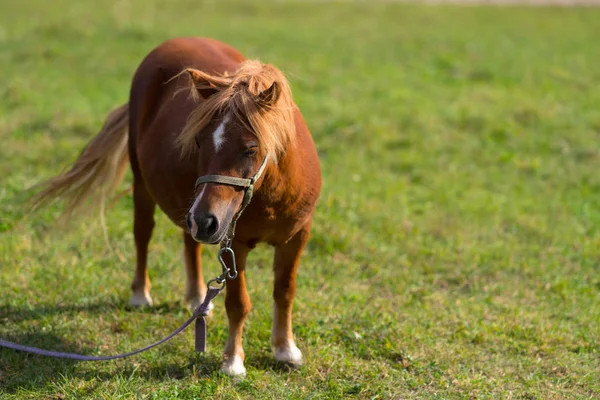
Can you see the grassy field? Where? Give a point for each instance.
(456, 244)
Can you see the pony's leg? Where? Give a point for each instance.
(143, 225)
(196, 289)
(287, 257)
(237, 304)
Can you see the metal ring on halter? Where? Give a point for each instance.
(219, 281)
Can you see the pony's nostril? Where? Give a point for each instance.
(188, 221)
(198, 221)
(207, 224)
(211, 224)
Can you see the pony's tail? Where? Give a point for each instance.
(96, 173)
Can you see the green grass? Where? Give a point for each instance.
(455, 247)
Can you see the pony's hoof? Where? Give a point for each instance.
(194, 302)
(234, 367)
(288, 354)
(140, 299)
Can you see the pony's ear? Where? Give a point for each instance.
(268, 97)
(203, 86)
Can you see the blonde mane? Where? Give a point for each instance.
(256, 94)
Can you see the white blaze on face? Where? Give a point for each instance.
(194, 229)
(218, 139)
(219, 134)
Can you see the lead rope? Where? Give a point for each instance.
(227, 274)
(200, 313)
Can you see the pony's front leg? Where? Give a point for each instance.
(237, 305)
(287, 257)
(196, 289)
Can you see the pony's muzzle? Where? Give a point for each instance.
(203, 226)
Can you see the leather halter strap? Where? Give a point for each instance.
(232, 180)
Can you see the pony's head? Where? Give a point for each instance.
(241, 119)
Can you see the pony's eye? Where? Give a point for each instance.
(250, 151)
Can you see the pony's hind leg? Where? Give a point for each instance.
(196, 289)
(287, 257)
(143, 225)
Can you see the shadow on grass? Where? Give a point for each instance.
(266, 362)
(19, 313)
(24, 371)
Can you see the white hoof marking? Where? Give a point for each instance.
(233, 367)
(288, 353)
(141, 299)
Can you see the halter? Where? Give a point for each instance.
(246, 183)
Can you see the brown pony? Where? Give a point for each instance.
(240, 114)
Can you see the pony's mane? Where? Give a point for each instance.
(239, 94)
